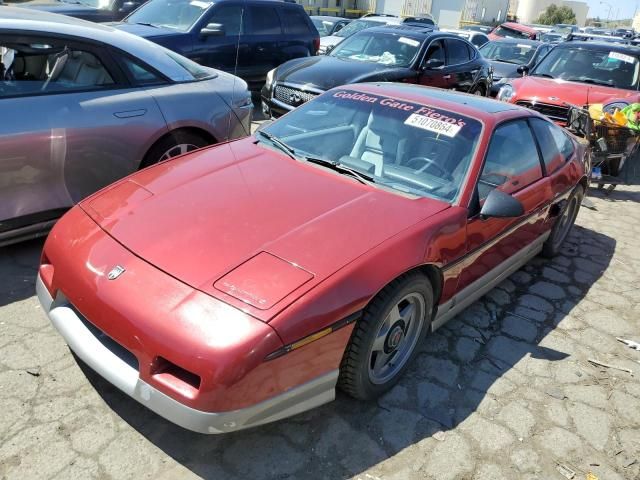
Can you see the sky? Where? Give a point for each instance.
(619, 8)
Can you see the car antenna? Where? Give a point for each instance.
(235, 68)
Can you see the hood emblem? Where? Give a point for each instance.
(115, 272)
(295, 98)
(554, 99)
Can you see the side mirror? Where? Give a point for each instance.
(433, 64)
(329, 49)
(523, 70)
(129, 7)
(212, 30)
(501, 205)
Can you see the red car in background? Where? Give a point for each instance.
(514, 30)
(241, 284)
(578, 73)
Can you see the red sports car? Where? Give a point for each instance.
(243, 283)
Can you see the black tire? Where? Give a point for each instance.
(563, 224)
(480, 91)
(172, 140)
(355, 378)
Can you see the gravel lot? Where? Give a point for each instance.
(505, 391)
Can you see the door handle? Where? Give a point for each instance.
(130, 113)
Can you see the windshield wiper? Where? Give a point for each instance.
(505, 61)
(592, 81)
(279, 143)
(342, 168)
(147, 24)
(545, 75)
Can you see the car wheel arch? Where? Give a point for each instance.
(204, 134)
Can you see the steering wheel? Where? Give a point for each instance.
(426, 163)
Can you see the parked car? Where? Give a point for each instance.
(486, 29)
(393, 53)
(509, 55)
(578, 73)
(514, 30)
(85, 105)
(477, 39)
(244, 37)
(91, 10)
(315, 255)
(327, 25)
(327, 43)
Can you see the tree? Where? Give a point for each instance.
(554, 15)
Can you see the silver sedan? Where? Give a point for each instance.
(83, 105)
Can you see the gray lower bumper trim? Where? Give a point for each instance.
(107, 364)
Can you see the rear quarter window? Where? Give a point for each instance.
(295, 21)
(264, 21)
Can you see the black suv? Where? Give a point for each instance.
(257, 34)
(398, 53)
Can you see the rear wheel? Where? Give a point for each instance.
(385, 340)
(174, 144)
(563, 224)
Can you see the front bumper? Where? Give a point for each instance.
(101, 354)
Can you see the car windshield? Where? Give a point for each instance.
(410, 148)
(386, 48)
(323, 26)
(517, 53)
(594, 66)
(356, 26)
(507, 32)
(175, 14)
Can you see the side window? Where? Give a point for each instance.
(140, 74)
(479, 40)
(31, 68)
(294, 21)
(435, 52)
(512, 162)
(457, 52)
(230, 17)
(551, 155)
(264, 21)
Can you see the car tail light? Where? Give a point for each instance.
(175, 377)
(316, 45)
(46, 273)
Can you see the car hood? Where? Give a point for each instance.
(504, 69)
(549, 90)
(144, 31)
(325, 72)
(249, 225)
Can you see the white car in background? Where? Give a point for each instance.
(477, 39)
(331, 41)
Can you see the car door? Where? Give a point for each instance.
(265, 40)
(461, 70)
(219, 40)
(72, 124)
(434, 71)
(513, 165)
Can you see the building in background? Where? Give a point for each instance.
(528, 11)
(636, 22)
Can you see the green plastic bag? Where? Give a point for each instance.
(631, 113)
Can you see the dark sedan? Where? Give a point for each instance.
(510, 58)
(390, 54)
(92, 10)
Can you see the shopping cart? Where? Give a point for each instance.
(613, 148)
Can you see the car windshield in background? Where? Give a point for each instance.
(384, 48)
(598, 67)
(175, 14)
(508, 52)
(503, 31)
(411, 148)
(356, 26)
(323, 27)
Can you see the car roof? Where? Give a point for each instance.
(521, 41)
(518, 26)
(471, 105)
(602, 45)
(459, 31)
(329, 18)
(414, 31)
(388, 20)
(36, 22)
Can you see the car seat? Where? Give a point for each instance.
(377, 142)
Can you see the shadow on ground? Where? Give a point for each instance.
(498, 336)
(18, 269)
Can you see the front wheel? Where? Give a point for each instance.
(386, 339)
(174, 144)
(563, 224)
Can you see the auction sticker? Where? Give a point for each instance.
(433, 125)
(622, 57)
